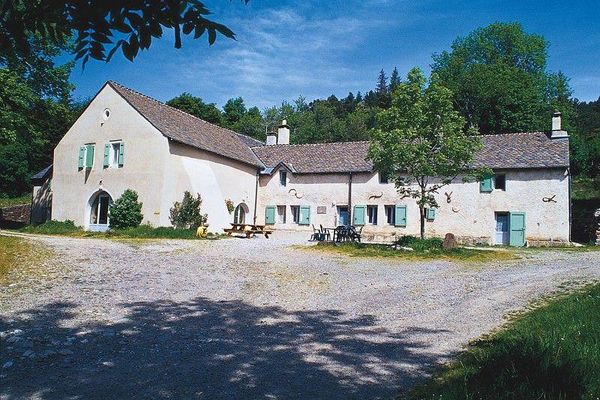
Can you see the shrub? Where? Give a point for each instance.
(420, 244)
(126, 211)
(188, 214)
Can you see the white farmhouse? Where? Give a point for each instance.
(125, 139)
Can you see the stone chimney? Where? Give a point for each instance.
(271, 138)
(283, 133)
(557, 131)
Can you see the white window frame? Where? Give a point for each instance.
(113, 154)
(390, 214)
(281, 216)
(372, 214)
(283, 178)
(295, 214)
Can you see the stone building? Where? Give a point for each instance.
(125, 139)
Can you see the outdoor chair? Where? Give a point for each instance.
(326, 234)
(316, 234)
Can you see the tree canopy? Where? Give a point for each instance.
(499, 79)
(421, 142)
(101, 27)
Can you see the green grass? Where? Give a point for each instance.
(585, 188)
(422, 251)
(550, 352)
(19, 258)
(68, 228)
(12, 201)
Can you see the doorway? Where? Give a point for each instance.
(502, 229)
(239, 215)
(99, 216)
(343, 215)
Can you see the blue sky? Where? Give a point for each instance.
(316, 48)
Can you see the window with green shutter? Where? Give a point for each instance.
(270, 215)
(304, 215)
(106, 162)
(400, 215)
(121, 154)
(430, 215)
(81, 161)
(487, 184)
(358, 215)
(89, 155)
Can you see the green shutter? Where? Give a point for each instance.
(304, 215)
(400, 215)
(358, 216)
(486, 185)
(270, 215)
(106, 155)
(89, 156)
(121, 154)
(517, 229)
(81, 161)
(431, 214)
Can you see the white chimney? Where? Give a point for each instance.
(557, 131)
(283, 133)
(271, 138)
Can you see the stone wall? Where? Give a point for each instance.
(15, 215)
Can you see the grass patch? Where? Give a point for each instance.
(421, 251)
(13, 201)
(551, 352)
(68, 228)
(19, 258)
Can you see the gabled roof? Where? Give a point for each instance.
(42, 175)
(187, 129)
(505, 151)
(523, 150)
(318, 158)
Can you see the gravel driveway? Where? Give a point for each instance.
(250, 319)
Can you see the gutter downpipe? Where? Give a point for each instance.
(256, 195)
(350, 198)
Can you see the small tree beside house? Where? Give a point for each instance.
(126, 211)
(188, 213)
(421, 142)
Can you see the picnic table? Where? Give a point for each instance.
(248, 230)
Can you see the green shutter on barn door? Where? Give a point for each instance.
(121, 154)
(106, 162)
(304, 215)
(400, 219)
(81, 161)
(431, 214)
(89, 155)
(358, 216)
(517, 229)
(486, 185)
(270, 215)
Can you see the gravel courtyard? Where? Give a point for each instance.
(250, 319)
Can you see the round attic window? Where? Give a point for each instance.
(106, 114)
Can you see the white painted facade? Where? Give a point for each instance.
(160, 170)
(470, 214)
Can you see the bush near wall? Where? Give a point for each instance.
(126, 211)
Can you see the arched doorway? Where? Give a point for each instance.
(239, 215)
(99, 204)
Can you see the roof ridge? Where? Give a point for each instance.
(310, 144)
(513, 133)
(174, 108)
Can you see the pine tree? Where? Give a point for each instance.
(383, 96)
(394, 80)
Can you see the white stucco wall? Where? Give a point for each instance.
(146, 149)
(470, 213)
(215, 178)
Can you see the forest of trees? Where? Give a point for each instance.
(498, 75)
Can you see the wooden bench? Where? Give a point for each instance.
(248, 230)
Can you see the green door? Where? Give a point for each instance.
(517, 229)
(359, 215)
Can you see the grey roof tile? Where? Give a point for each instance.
(187, 129)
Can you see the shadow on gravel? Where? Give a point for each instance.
(207, 350)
